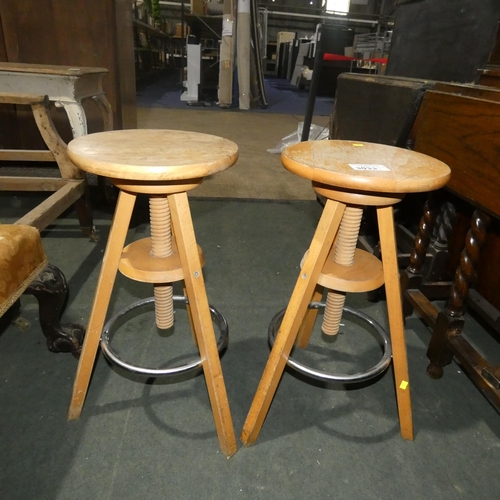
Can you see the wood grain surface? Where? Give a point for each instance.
(463, 132)
(152, 154)
(331, 162)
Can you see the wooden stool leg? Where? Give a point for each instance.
(396, 324)
(310, 319)
(105, 284)
(202, 320)
(294, 316)
(190, 318)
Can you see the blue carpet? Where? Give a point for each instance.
(164, 91)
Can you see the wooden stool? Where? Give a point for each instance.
(350, 175)
(163, 164)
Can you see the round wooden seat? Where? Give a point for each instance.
(152, 155)
(364, 166)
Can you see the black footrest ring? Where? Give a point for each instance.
(195, 364)
(325, 376)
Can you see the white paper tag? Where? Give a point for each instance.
(227, 27)
(243, 6)
(369, 166)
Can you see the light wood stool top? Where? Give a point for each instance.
(365, 166)
(152, 154)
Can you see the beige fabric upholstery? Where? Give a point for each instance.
(22, 258)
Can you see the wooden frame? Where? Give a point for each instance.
(68, 190)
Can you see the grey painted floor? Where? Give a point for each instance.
(156, 440)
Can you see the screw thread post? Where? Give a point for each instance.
(161, 247)
(343, 255)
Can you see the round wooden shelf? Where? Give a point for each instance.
(366, 273)
(138, 264)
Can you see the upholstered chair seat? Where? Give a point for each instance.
(22, 258)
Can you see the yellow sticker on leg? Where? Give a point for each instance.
(403, 385)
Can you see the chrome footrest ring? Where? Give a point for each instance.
(325, 376)
(193, 365)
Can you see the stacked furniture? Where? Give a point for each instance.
(36, 86)
(459, 125)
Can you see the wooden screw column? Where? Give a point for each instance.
(344, 255)
(161, 246)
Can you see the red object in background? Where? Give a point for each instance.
(338, 57)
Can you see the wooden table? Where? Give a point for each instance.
(458, 124)
(38, 86)
(461, 128)
(66, 86)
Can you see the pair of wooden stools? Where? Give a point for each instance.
(165, 164)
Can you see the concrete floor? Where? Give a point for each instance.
(257, 174)
(155, 439)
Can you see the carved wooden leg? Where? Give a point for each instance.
(51, 137)
(412, 276)
(51, 289)
(76, 117)
(438, 352)
(450, 321)
(444, 226)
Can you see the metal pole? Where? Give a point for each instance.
(318, 62)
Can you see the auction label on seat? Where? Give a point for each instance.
(369, 166)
